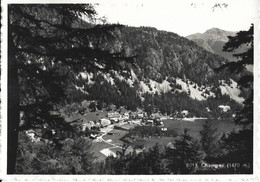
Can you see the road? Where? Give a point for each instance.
(107, 152)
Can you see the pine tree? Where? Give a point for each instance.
(208, 140)
(42, 158)
(48, 45)
(239, 145)
(185, 152)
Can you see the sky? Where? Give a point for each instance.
(183, 17)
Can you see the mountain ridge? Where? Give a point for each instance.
(214, 40)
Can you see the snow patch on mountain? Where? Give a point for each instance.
(109, 78)
(83, 75)
(133, 75)
(194, 92)
(128, 80)
(232, 90)
(86, 75)
(82, 89)
(145, 88)
(151, 86)
(160, 87)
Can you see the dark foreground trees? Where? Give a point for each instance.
(185, 153)
(48, 46)
(239, 144)
(208, 140)
(40, 157)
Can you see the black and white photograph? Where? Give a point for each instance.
(147, 88)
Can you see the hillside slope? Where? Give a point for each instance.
(170, 73)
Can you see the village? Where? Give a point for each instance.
(109, 131)
(124, 121)
(127, 119)
(106, 129)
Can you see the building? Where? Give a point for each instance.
(113, 115)
(93, 136)
(163, 129)
(149, 122)
(125, 115)
(224, 108)
(104, 122)
(184, 113)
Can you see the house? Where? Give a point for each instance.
(125, 115)
(164, 117)
(149, 122)
(31, 134)
(114, 120)
(136, 121)
(163, 129)
(184, 113)
(113, 115)
(93, 136)
(207, 109)
(84, 126)
(140, 115)
(224, 108)
(161, 123)
(104, 122)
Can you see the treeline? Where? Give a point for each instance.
(173, 103)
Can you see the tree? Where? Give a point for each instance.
(48, 45)
(100, 105)
(208, 140)
(43, 158)
(186, 151)
(239, 144)
(92, 107)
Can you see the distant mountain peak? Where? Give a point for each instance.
(213, 40)
(215, 30)
(219, 34)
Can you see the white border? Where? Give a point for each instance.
(3, 137)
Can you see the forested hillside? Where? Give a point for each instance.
(161, 54)
(167, 68)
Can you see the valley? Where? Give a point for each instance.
(89, 97)
(112, 138)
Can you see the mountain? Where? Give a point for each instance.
(160, 54)
(169, 74)
(213, 41)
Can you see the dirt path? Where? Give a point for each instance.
(106, 151)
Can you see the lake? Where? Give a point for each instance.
(223, 126)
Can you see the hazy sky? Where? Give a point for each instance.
(181, 16)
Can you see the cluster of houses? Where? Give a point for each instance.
(115, 118)
(111, 118)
